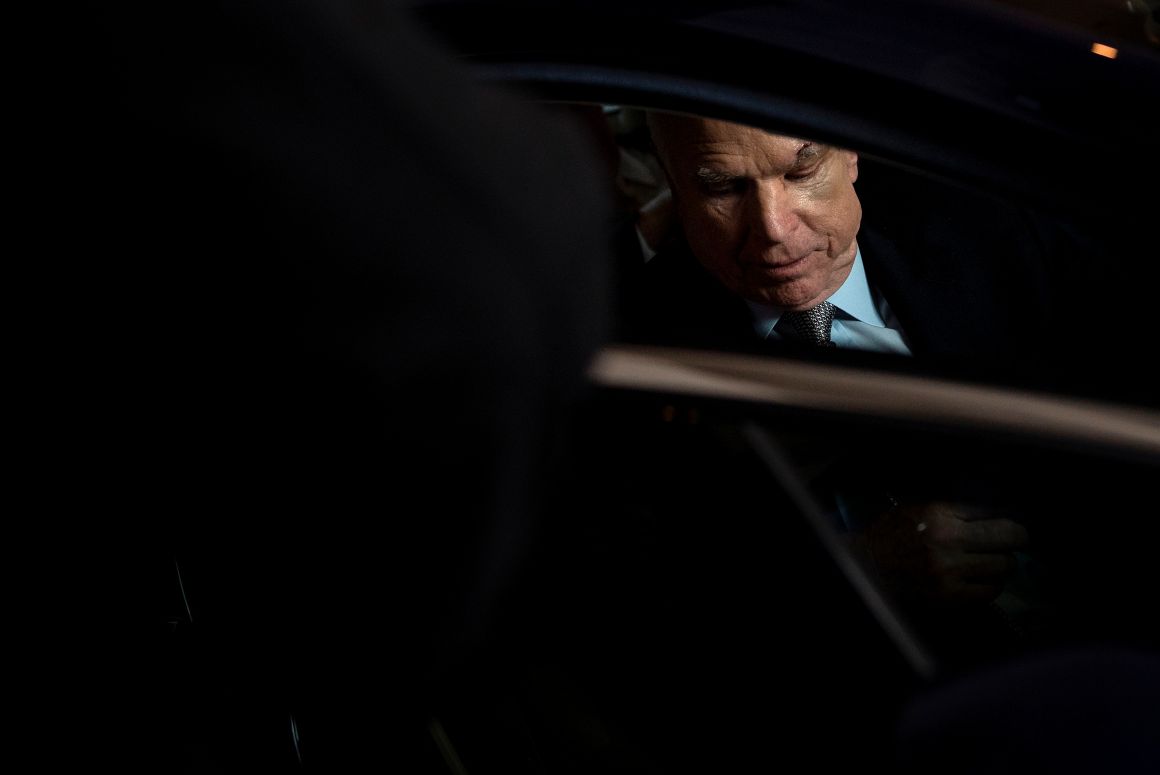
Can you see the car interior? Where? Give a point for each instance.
(690, 591)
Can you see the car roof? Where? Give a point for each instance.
(981, 92)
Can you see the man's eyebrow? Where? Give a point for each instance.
(709, 176)
(808, 153)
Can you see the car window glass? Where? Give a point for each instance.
(942, 278)
(700, 557)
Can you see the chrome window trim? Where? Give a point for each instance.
(790, 383)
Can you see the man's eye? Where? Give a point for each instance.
(803, 174)
(726, 188)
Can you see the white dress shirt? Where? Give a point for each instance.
(862, 318)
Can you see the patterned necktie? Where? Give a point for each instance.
(811, 325)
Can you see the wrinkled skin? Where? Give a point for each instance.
(774, 218)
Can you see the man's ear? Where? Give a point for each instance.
(852, 165)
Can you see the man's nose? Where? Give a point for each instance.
(774, 212)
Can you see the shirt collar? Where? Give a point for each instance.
(853, 299)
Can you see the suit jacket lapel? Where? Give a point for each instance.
(944, 301)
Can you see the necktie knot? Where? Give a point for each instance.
(811, 325)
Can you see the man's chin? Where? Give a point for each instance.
(782, 298)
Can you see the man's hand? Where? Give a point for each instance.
(942, 553)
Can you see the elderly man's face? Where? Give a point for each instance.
(772, 217)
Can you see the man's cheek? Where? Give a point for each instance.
(722, 222)
(828, 190)
(704, 225)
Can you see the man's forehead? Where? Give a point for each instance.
(676, 128)
(709, 137)
(714, 130)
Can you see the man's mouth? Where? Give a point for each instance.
(785, 269)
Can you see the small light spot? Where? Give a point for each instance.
(1104, 51)
(668, 413)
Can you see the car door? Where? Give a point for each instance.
(693, 602)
